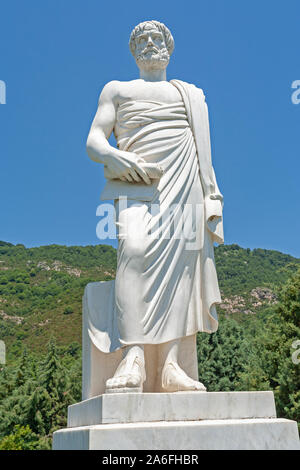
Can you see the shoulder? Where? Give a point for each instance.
(190, 88)
(114, 90)
(110, 91)
(116, 86)
(187, 85)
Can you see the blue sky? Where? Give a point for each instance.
(57, 55)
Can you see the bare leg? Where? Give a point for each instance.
(130, 374)
(173, 378)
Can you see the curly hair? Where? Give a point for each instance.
(157, 25)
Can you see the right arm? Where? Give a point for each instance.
(118, 164)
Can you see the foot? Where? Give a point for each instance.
(129, 376)
(174, 379)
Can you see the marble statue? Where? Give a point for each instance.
(166, 287)
(139, 330)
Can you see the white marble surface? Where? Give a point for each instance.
(166, 286)
(234, 434)
(98, 366)
(182, 406)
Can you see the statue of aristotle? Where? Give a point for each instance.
(166, 286)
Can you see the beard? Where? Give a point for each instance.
(153, 59)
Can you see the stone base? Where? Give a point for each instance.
(177, 421)
(180, 406)
(228, 434)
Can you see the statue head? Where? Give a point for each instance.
(151, 43)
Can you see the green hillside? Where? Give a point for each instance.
(41, 288)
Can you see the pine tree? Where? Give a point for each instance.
(21, 375)
(221, 356)
(38, 407)
(55, 382)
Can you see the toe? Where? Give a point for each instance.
(199, 386)
(109, 383)
(123, 381)
(113, 383)
(133, 381)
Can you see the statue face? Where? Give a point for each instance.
(150, 50)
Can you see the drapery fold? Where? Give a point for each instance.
(166, 284)
(197, 113)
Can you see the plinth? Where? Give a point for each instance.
(177, 421)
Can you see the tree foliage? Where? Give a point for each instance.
(35, 396)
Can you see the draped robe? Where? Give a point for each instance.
(166, 285)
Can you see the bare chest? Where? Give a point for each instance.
(163, 92)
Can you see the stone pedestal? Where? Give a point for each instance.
(177, 421)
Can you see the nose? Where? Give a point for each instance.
(149, 41)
